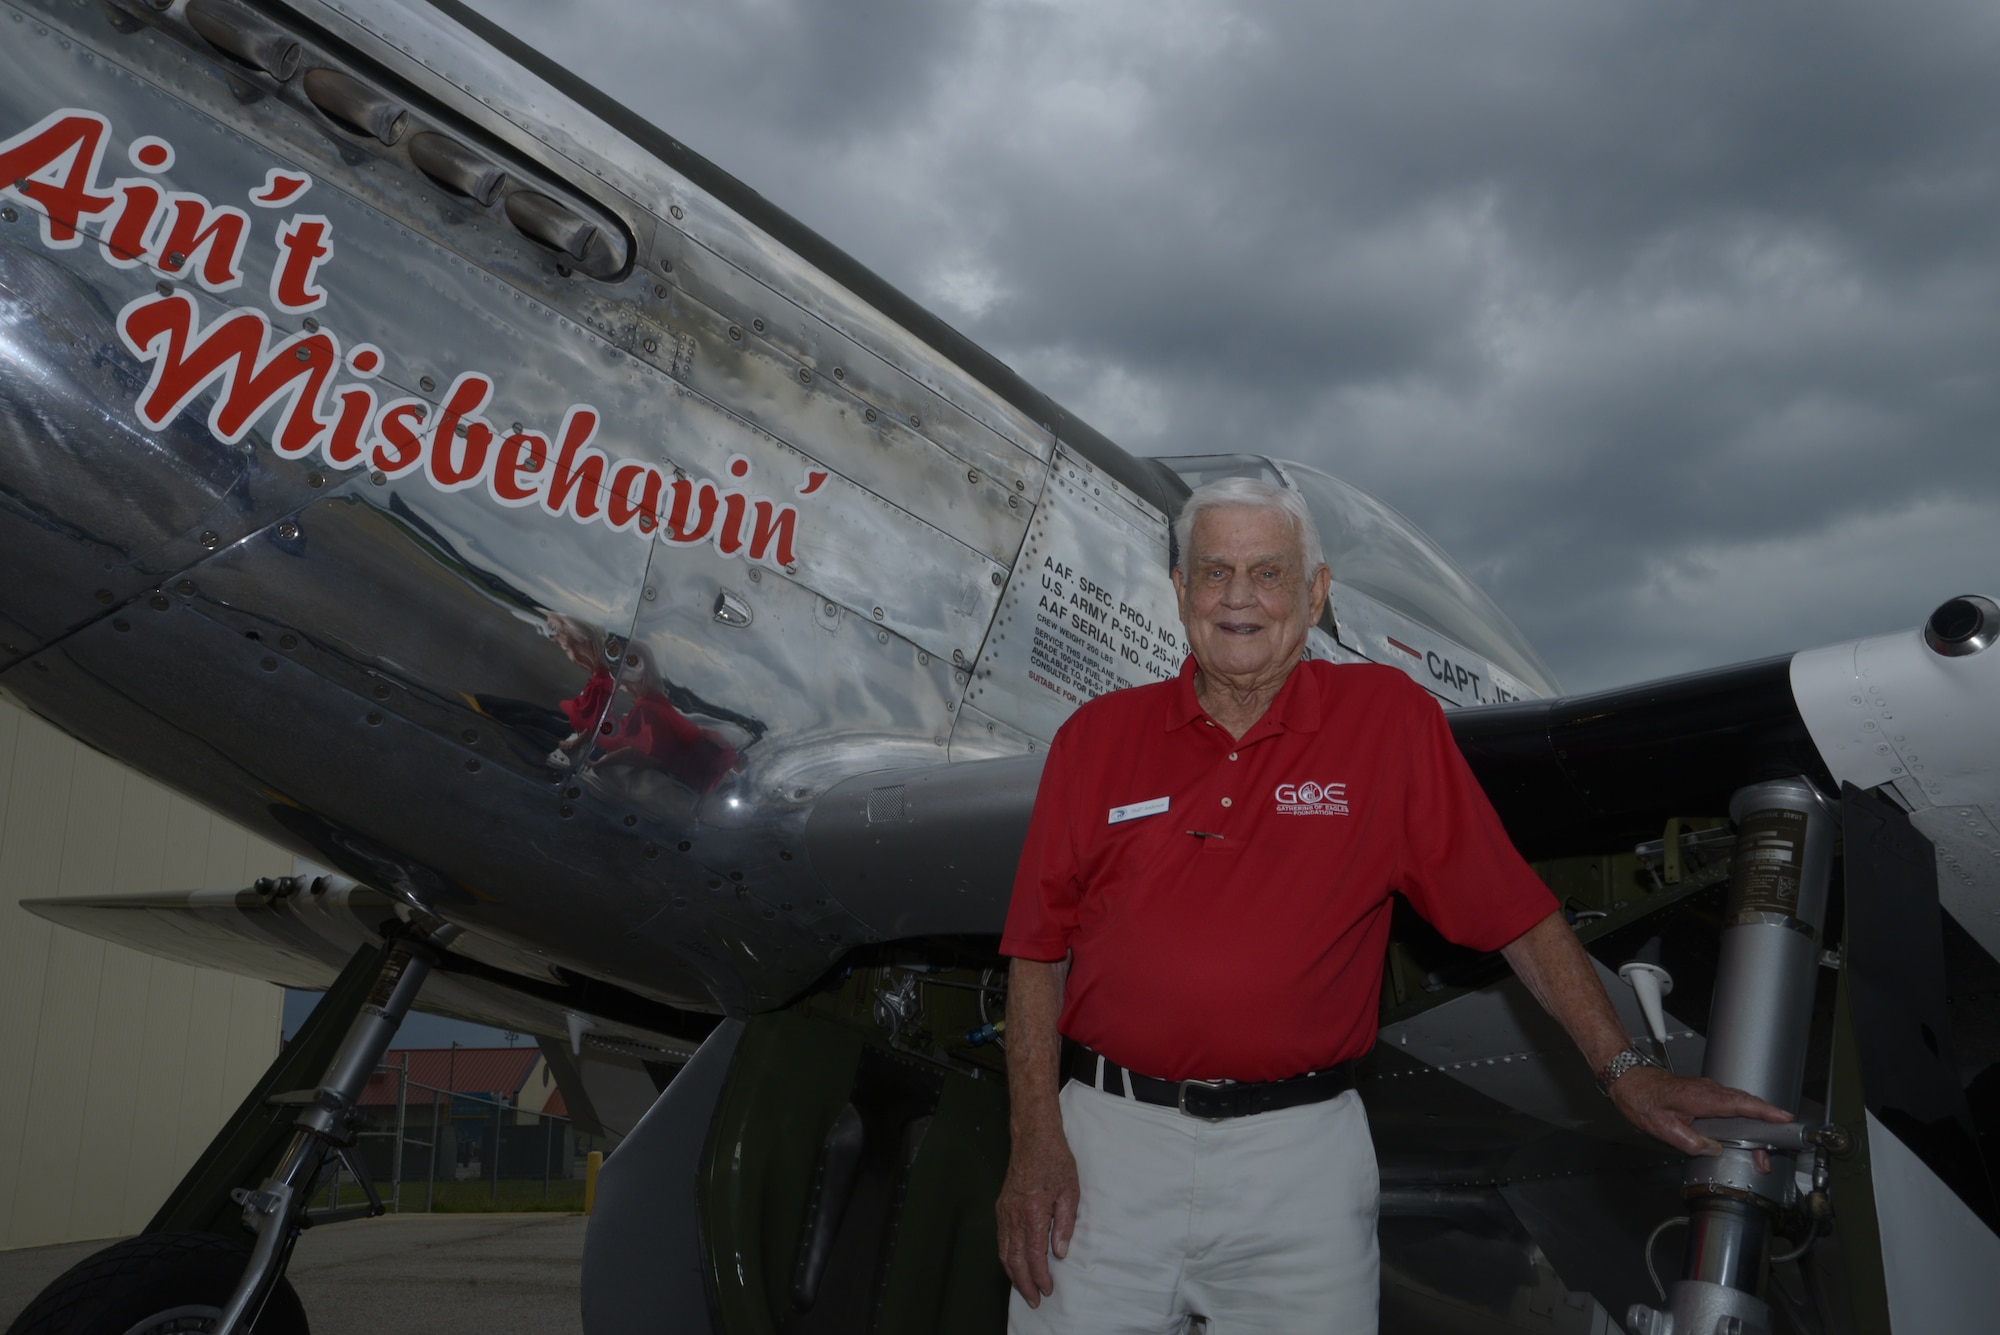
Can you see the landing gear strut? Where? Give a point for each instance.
(191, 1269)
(1757, 1035)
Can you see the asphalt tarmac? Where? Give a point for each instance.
(398, 1275)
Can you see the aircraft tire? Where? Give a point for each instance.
(154, 1284)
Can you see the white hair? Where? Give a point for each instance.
(1257, 494)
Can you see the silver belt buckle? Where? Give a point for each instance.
(1205, 1084)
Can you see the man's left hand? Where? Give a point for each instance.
(1664, 1106)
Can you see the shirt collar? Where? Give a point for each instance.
(1296, 708)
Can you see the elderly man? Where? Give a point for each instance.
(1201, 912)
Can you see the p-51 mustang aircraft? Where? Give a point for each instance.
(655, 623)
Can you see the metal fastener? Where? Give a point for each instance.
(315, 480)
(269, 664)
(870, 414)
(630, 821)
(805, 376)
(9, 215)
(185, 588)
(831, 609)
(377, 477)
(175, 259)
(878, 614)
(1013, 502)
(288, 530)
(381, 691)
(472, 767)
(675, 209)
(427, 384)
(996, 579)
(652, 346)
(288, 641)
(651, 593)
(660, 291)
(916, 420)
(374, 717)
(735, 334)
(159, 602)
(565, 811)
(107, 597)
(882, 637)
(839, 374)
(312, 325)
(758, 325)
(120, 623)
(211, 540)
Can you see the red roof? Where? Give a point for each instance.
(484, 1071)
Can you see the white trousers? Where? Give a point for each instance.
(1260, 1225)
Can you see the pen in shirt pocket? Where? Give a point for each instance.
(1204, 834)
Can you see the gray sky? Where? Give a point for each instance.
(1677, 324)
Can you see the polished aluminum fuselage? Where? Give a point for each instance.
(547, 580)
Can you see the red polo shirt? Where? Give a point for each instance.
(1226, 904)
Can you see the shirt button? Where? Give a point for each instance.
(1225, 801)
(1232, 755)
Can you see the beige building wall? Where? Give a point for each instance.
(116, 1068)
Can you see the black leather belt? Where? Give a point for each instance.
(1209, 1100)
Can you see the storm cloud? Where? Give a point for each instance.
(1675, 323)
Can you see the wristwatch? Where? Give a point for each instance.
(1608, 1074)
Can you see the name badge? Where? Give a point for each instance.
(1137, 809)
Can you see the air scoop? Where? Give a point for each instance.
(1964, 625)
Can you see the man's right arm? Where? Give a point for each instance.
(1037, 1205)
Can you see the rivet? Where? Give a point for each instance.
(159, 602)
(565, 811)
(469, 735)
(185, 588)
(315, 480)
(563, 270)
(312, 325)
(651, 593)
(996, 579)
(9, 215)
(302, 354)
(869, 415)
(923, 660)
(757, 325)
(211, 540)
(937, 741)
(660, 291)
(120, 623)
(1020, 485)
(683, 845)
(652, 346)
(381, 691)
(164, 288)
(630, 821)
(916, 420)
(714, 883)
(106, 597)
(288, 530)
(652, 850)
(972, 475)
(472, 767)
(666, 266)
(175, 259)
(631, 660)
(1013, 502)
(675, 209)
(288, 641)
(735, 333)
(736, 876)
(427, 384)
(40, 666)
(374, 717)
(573, 791)
(831, 609)
(756, 577)
(839, 374)
(882, 636)
(377, 477)
(269, 665)
(878, 614)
